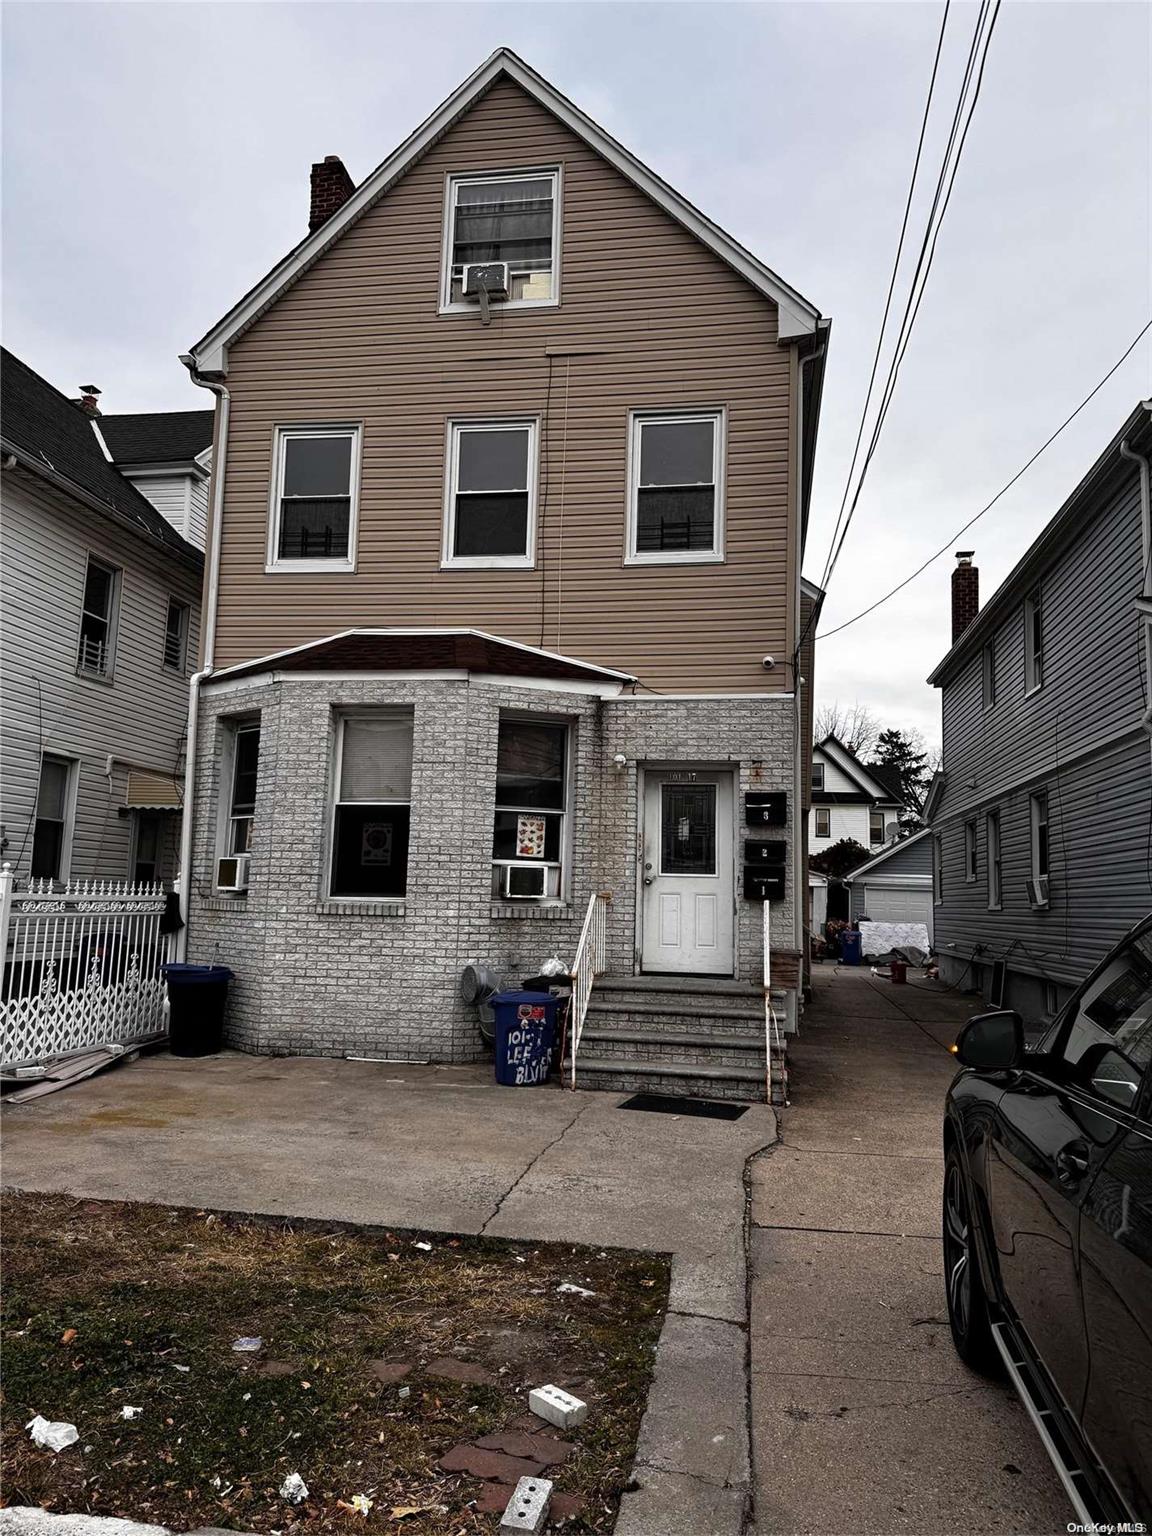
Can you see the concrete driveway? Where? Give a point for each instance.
(863, 1419)
(444, 1149)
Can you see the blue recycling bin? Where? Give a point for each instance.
(851, 952)
(525, 1030)
(197, 1000)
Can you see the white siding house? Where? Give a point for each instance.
(99, 634)
(167, 455)
(849, 801)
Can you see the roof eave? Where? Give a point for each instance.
(797, 317)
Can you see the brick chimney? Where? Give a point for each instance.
(965, 593)
(331, 188)
(89, 401)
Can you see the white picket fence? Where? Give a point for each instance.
(82, 966)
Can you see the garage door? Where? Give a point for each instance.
(892, 904)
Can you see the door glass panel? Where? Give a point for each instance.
(688, 829)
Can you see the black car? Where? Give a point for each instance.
(1048, 1225)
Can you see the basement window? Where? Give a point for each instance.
(512, 219)
(676, 487)
(314, 499)
(371, 816)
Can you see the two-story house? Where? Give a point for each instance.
(99, 629)
(513, 453)
(851, 800)
(1042, 813)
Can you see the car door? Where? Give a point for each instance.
(1116, 1231)
(1053, 1130)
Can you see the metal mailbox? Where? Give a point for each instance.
(768, 854)
(762, 883)
(766, 808)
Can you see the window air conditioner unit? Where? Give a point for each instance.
(232, 872)
(1038, 892)
(491, 276)
(525, 880)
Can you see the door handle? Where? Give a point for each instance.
(647, 879)
(1073, 1161)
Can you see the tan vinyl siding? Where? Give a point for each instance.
(649, 318)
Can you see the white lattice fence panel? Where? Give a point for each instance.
(82, 968)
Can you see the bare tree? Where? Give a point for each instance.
(853, 724)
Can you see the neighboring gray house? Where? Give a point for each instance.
(1042, 813)
(100, 630)
(167, 455)
(895, 886)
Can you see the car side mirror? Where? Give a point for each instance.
(991, 1042)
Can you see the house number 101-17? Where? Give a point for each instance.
(689, 776)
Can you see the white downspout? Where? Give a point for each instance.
(208, 619)
(800, 876)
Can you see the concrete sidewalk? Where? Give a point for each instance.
(444, 1149)
(863, 1419)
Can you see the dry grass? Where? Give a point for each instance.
(151, 1288)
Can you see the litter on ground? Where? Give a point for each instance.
(51, 1433)
(294, 1488)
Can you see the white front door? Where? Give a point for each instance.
(686, 868)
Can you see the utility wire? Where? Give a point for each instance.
(1004, 489)
(947, 180)
(895, 270)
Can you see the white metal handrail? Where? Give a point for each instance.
(81, 965)
(588, 964)
(771, 1023)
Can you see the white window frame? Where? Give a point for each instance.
(873, 841)
(1033, 655)
(994, 832)
(718, 415)
(971, 855)
(1039, 815)
(817, 812)
(232, 730)
(458, 425)
(817, 776)
(181, 666)
(335, 800)
(346, 562)
(452, 183)
(113, 619)
(71, 766)
(564, 876)
(989, 680)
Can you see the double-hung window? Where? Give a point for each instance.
(52, 834)
(970, 860)
(676, 487)
(98, 619)
(817, 775)
(512, 219)
(875, 827)
(995, 865)
(490, 496)
(988, 667)
(1033, 640)
(315, 488)
(373, 805)
(176, 635)
(937, 869)
(531, 808)
(1038, 836)
(245, 763)
(823, 820)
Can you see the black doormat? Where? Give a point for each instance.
(669, 1104)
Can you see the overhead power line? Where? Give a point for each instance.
(961, 122)
(960, 532)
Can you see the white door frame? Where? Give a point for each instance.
(659, 765)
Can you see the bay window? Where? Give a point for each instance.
(371, 814)
(531, 808)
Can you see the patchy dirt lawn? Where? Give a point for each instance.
(356, 1385)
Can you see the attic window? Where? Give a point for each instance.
(513, 219)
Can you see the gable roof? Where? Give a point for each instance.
(157, 437)
(798, 317)
(425, 650)
(867, 777)
(1065, 525)
(886, 854)
(54, 439)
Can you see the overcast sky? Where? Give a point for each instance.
(156, 163)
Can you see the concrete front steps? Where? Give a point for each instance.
(695, 1037)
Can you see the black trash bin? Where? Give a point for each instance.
(197, 999)
(525, 1029)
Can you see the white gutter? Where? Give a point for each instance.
(799, 815)
(1146, 557)
(211, 599)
